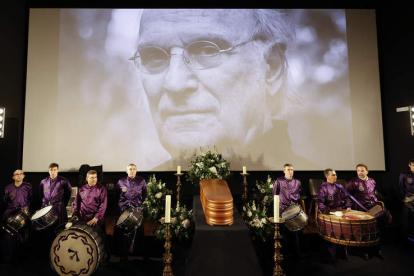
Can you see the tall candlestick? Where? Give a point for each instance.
(244, 170)
(178, 169)
(276, 207)
(167, 208)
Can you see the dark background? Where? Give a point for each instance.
(395, 37)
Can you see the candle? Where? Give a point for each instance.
(276, 208)
(244, 170)
(167, 208)
(178, 169)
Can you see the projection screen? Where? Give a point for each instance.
(151, 87)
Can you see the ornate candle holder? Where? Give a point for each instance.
(167, 255)
(178, 185)
(244, 196)
(278, 257)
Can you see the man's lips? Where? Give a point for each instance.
(170, 113)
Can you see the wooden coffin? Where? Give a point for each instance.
(217, 202)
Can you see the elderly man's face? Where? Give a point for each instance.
(224, 105)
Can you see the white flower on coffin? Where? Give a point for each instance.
(200, 165)
(159, 186)
(223, 164)
(186, 223)
(254, 207)
(158, 195)
(263, 220)
(213, 170)
(249, 213)
(163, 184)
(182, 217)
(265, 199)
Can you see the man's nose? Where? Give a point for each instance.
(180, 77)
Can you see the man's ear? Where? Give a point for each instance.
(275, 70)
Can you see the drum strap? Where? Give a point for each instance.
(353, 198)
(131, 248)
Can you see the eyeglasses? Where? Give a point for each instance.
(199, 55)
(333, 174)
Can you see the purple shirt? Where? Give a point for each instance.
(363, 191)
(56, 192)
(331, 197)
(17, 197)
(288, 191)
(406, 184)
(91, 203)
(131, 192)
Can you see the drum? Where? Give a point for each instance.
(295, 218)
(383, 215)
(78, 250)
(43, 218)
(129, 220)
(16, 221)
(409, 201)
(354, 228)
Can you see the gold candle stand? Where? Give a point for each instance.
(244, 196)
(178, 185)
(167, 255)
(278, 257)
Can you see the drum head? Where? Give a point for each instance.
(42, 212)
(291, 211)
(123, 217)
(73, 252)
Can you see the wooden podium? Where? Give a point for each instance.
(217, 202)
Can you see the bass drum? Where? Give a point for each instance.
(78, 250)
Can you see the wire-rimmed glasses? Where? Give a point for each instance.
(199, 55)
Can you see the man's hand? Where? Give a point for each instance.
(92, 222)
(348, 209)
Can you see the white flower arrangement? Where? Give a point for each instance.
(206, 165)
(256, 212)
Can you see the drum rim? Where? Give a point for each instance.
(339, 219)
(90, 236)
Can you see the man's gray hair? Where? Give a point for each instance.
(275, 34)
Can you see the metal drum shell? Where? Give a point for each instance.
(45, 220)
(298, 221)
(132, 220)
(18, 220)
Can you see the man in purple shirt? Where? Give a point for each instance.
(17, 195)
(329, 196)
(406, 187)
(362, 188)
(56, 191)
(131, 191)
(91, 201)
(288, 190)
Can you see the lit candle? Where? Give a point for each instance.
(244, 170)
(178, 169)
(276, 208)
(167, 208)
